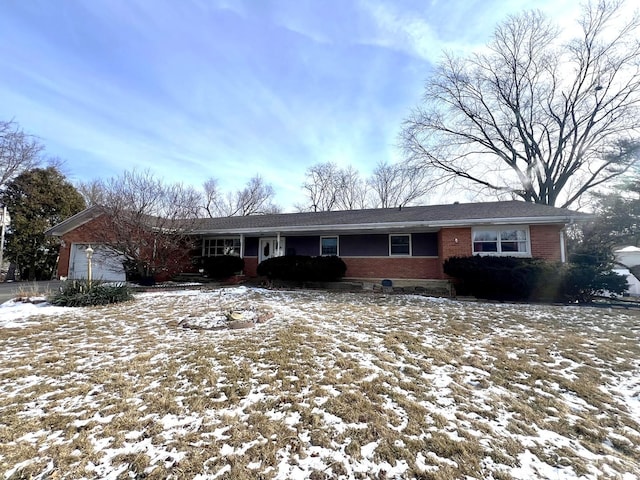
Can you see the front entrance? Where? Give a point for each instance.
(268, 247)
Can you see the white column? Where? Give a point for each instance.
(279, 249)
(563, 253)
(242, 245)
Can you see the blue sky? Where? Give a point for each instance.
(194, 89)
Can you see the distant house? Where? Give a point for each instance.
(408, 243)
(628, 257)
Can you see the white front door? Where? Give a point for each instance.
(268, 247)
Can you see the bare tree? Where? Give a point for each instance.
(353, 191)
(149, 222)
(19, 152)
(256, 198)
(93, 192)
(396, 185)
(328, 187)
(212, 199)
(534, 117)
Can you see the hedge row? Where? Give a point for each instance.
(528, 279)
(303, 268)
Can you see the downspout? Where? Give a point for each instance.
(242, 245)
(563, 253)
(279, 253)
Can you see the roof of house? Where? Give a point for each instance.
(425, 217)
(430, 216)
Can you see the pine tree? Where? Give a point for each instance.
(37, 200)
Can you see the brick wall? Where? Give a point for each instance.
(545, 242)
(453, 242)
(90, 232)
(392, 267)
(251, 266)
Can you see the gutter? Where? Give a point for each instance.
(396, 225)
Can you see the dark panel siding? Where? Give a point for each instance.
(303, 246)
(364, 245)
(425, 244)
(251, 246)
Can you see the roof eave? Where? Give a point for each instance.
(75, 221)
(397, 225)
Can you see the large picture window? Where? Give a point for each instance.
(216, 247)
(328, 246)
(399, 244)
(501, 241)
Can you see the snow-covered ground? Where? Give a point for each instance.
(332, 385)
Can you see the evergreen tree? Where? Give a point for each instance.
(37, 200)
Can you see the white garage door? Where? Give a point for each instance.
(105, 265)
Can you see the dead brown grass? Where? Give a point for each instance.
(380, 379)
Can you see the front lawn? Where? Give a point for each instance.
(333, 385)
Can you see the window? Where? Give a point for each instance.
(505, 241)
(216, 247)
(328, 246)
(400, 244)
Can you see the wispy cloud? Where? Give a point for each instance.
(230, 89)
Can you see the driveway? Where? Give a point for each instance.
(9, 290)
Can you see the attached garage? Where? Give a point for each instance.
(105, 265)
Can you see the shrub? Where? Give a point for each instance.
(79, 293)
(503, 278)
(522, 279)
(589, 274)
(303, 268)
(223, 266)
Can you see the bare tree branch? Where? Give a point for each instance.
(329, 187)
(533, 115)
(396, 185)
(256, 198)
(19, 152)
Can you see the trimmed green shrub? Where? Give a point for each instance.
(589, 274)
(530, 279)
(79, 293)
(223, 266)
(301, 268)
(503, 278)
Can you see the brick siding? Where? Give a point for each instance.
(392, 267)
(545, 242)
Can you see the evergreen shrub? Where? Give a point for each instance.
(223, 266)
(503, 278)
(530, 279)
(80, 293)
(302, 268)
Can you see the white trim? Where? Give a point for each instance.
(563, 252)
(387, 257)
(499, 252)
(277, 246)
(410, 244)
(337, 237)
(206, 251)
(421, 226)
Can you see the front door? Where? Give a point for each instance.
(268, 247)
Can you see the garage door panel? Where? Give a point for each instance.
(106, 264)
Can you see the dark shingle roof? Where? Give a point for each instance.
(424, 216)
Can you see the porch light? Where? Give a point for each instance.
(89, 252)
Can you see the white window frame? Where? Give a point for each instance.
(410, 244)
(498, 230)
(337, 237)
(206, 247)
